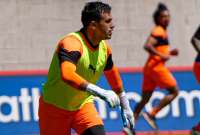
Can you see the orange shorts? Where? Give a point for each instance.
(196, 69)
(161, 77)
(56, 121)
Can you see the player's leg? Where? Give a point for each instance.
(95, 130)
(52, 120)
(172, 93)
(87, 121)
(145, 98)
(148, 86)
(166, 80)
(151, 117)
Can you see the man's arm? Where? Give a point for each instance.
(113, 78)
(112, 75)
(149, 47)
(69, 51)
(195, 40)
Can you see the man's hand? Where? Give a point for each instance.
(111, 98)
(108, 95)
(174, 52)
(126, 112)
(128, 118)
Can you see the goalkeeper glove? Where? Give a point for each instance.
(126, 112)
(108, 95)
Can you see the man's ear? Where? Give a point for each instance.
(93, 24)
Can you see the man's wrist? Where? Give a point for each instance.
(123, 100)
(94, 89)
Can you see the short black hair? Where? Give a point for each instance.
(160, 8)
(92, 12)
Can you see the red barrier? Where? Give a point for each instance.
(121, 69)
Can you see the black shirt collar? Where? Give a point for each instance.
(86, 37)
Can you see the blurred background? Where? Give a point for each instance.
(30, 30)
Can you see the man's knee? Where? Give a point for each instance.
(174, 91)
(145, 100)
(146, 97)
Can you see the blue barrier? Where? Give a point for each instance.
(19, 103)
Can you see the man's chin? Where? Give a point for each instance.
(109, 37)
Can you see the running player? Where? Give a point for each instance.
(196, 43)
(196, 69)
(77, 64)
(155, 73)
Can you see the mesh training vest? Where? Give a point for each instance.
(90, 66)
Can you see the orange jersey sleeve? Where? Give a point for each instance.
(69, 50)
(114, 79)
(158, 31)
(111, 73)
(70, 43)
(160, 35)
(69, 75)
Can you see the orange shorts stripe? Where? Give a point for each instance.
(161, 77)
(56, 121)
(196, 70)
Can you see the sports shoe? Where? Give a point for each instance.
(150, 119)
(128, 131)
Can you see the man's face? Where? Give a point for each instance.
(164, 18)
(105, 26)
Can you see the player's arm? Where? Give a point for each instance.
(195, 40)
(112, 75)
(69, 52)
(149, 46)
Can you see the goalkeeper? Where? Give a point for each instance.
(78, 62)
